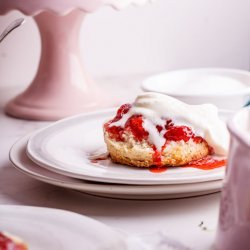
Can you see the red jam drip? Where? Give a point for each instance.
(207, 163)
(157, 157)
(8, 244)
(120, 112)
(135, 125)
(158, 169)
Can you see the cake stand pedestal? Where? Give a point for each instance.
(61, 86)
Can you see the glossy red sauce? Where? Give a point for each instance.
(114, 131)
(157, 157)
(134, 124)
(207, 163)
(157, 169)
(120, 112)
(8, 244)
(173, 133)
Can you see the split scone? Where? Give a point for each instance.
(11, 242)
(160, 130)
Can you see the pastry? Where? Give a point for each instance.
(159, 130)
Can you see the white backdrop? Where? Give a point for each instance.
(168, 34)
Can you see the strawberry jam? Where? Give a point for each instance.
(157, 169)
(8, 244)
(207, 163)
(178, 133)
(157, 157)
(116, 132)
(121, 111)
(134, 124)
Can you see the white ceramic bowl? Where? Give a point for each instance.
(226, 88)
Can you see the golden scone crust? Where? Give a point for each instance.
(140, 154)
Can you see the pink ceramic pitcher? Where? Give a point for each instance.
(234, 219)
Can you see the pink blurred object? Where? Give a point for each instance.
(234, 220)
(60, 7)
(61, 86)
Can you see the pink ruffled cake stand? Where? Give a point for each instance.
(61, 86)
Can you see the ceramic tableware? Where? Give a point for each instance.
(234, 220)
(67, 147)
(46, 228)
(226, 88)
(25, 165)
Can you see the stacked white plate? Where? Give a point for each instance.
(61, 155)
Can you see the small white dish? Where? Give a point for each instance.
(64, 147)
(20, 160)
(225, 88)
(46, 228)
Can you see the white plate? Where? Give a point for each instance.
(64, 146)
(23, 163)
(54, 229)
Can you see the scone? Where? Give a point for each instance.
(160, 130)
(11, 242)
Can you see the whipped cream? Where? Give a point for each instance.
(121, 4)
(202, 119)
